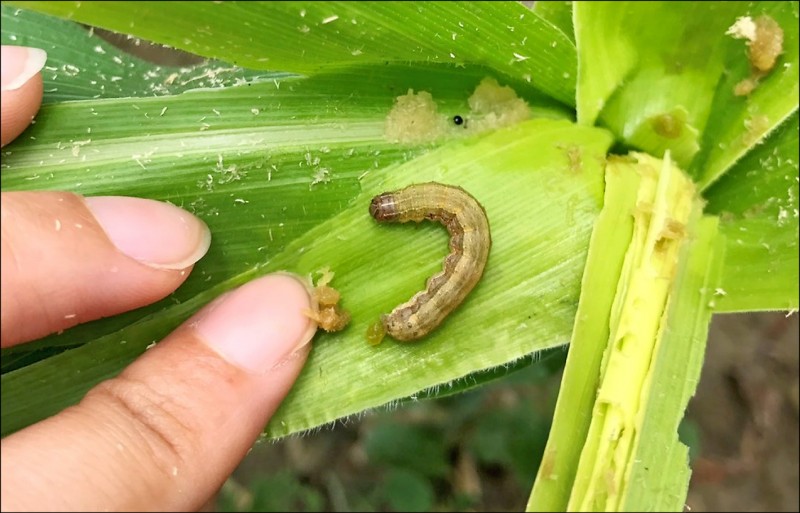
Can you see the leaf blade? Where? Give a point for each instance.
(674, 378)
(607, 248)
(259, 164)
(617, 412)
(309, 36)
(82, 66)
(737, 125)
(662, 77)
(349, 239)
(757, 201)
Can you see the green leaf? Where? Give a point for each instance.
(649, 70)
(572, 416)
(760, 271)
(548, 361)
(282, 169)
(519, 293)
(559, 13)
(511, 437)
(665, 214)
(81, 65)
(212, 151)
(611, 377)
(281, 491)
(658, 476)
(737, 124)
(662, 76)
(408, 491)
(306, 37)
(757, 201)
(524, 303)
(419, 449)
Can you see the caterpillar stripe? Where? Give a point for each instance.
(470, 241)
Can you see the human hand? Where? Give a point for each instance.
(168, 431)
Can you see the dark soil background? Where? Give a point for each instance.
(746, 411)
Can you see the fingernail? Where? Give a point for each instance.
(153, 232)
(260, 324)
(18, 64)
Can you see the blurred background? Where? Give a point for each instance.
(480, 450)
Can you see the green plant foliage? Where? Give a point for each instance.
(613, 422)
(559, 13)
(280, 144)
(408, 491)
(306, 37)
(757, 201)
(82, 66)
(737, 124)
(281, 491)
(661, 75)
(544, 310)
(417, 449)
(512, 438)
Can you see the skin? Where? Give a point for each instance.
(167, 432)
(470, 242)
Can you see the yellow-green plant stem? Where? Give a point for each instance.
(652, 216)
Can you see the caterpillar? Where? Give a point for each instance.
(470, 241)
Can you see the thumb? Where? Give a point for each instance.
(168, 431)
(20, 89)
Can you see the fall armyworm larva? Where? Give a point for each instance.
(465, 220)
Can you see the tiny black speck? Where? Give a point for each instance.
(458, 120)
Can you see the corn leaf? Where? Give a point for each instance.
(559, 13)
(609, 242)
(305, 37)
(657, 477)
(218, 153)
(662, 77)
(613, 422)
(81, 65)
(524, 303)
(282, 168)
(757, 201)
(737, 124)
